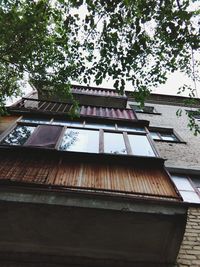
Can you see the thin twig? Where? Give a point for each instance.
(193, 72)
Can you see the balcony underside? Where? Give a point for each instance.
(83, 230)
(67, 211)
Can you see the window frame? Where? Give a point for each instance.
(167, 131)
(125, 134)
(135, 106)
(194, 188)
(194, 115)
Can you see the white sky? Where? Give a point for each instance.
(174, 81)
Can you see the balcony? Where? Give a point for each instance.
(35, 106)
(91, 210)
(99, 97)
(85, 95)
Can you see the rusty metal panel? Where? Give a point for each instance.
(145, 181)
(96, 91)
(113, 113)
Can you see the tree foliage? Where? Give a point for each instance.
(56, 42)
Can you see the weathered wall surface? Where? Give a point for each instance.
(177, 155)
(189, 254)
(6, 122)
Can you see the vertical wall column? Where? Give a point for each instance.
(189, 254)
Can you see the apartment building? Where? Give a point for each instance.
(106, 188)
(178, 145)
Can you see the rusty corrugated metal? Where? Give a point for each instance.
(96, 91)
(113, 113)
(149, 181)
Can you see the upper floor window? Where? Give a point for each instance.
(145, 109)
(165, 135)
(81, 136)
(194, 114)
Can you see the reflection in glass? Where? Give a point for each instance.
(190, 196)
(182, 182)
(140, 145)
(155, 136)
(80, 140)
(114, 143)
(67, 123)
(168, 137)
(35, 120)
(100, 126)
(19, 135)
(130, 129)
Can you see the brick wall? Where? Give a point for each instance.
(177, 155)
(189, 254)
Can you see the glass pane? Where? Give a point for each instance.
(114, 143)
(35, 120)
(140, 145)
(154, 135)
(100, 126)
(80, 140)
(130, 129)
(45, 136)
(67, 123)
(18, 136)
(196, 181)
(189, 196)
(136, 108)
(182, 183)
(168, 137)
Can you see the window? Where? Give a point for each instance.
(166, 135)
(114, 143)
(145, 109)
(188, 187)
(19, 135)
(35, 120)
(140, 145)
(194, 114)
(81, 136)
(80, 140)
(44, 136)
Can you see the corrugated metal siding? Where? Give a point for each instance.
(63, 108)
(113, 113)
(146, 181)
(96, 91)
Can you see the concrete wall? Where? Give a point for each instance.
(189, 254)
(177, 155)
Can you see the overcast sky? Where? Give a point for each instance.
(171, 87)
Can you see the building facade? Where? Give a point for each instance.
(180, 147)
(115, 186)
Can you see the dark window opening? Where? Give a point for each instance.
(145, 109)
